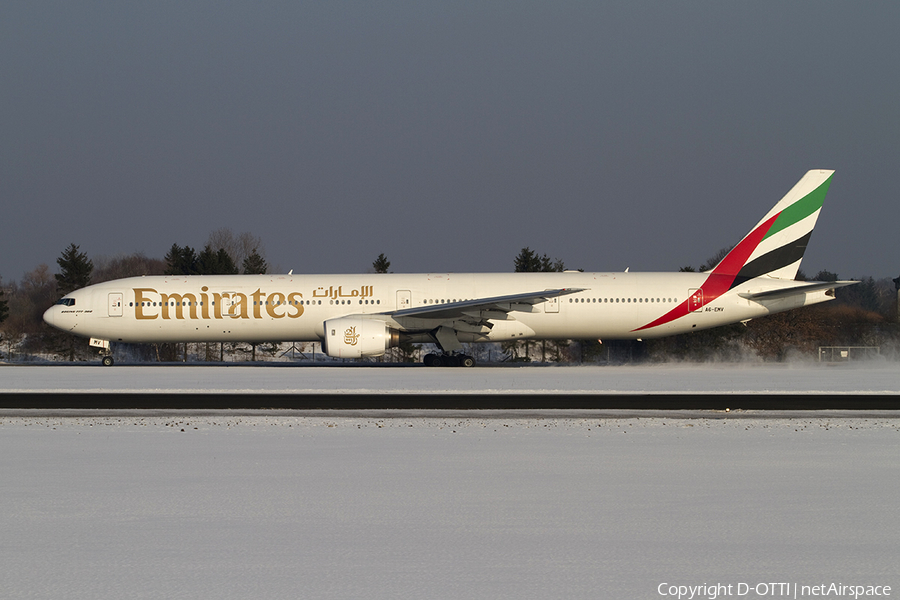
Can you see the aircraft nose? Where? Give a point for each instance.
(50, 317)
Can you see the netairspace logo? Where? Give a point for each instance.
(771, 590)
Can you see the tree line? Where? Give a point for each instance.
(24, 335)
(862, 315)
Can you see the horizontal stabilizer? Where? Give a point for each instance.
(812, 286)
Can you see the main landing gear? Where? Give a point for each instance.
(448, 360)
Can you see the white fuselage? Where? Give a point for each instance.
(271, 308)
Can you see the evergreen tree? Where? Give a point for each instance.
(225, 263)
(381, 264)
(238, 247)
(181, 261)
(551, 266)
(75, 273)
(528, 261)
(218, 262)
(867, 295)
(75, 270)
(206, 262)
(255, 264)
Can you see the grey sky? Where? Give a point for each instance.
(446, 135)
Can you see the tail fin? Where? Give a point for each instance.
(775, 246)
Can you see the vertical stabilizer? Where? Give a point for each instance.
(772, 249)
(776, 245)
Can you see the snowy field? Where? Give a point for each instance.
(231, 506)
(805, 378)
(441, 504)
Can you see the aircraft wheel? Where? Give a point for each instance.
(428, 361)
(467, 361)
(437, 361)
(107, 361)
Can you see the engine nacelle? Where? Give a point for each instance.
(355, 337)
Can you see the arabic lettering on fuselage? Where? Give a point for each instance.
(149, 303)
(363, 292)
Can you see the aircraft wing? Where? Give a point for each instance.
(472, 308)
(812, 286)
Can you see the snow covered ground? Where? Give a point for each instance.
(261, 506)
(806, 378)
(441, 504)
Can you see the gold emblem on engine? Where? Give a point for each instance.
(350, 336)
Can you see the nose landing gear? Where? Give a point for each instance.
(105, 353)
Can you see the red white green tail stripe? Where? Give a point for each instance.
(772, 249)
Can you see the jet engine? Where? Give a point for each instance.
(355, 337)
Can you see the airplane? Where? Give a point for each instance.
(356, 316)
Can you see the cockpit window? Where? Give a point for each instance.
(66, 302)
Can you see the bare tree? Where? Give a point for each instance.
(715, 259)
(4, 313)
(28, 301)
(238, 247)
(17, 325)
(130, 265)
(4, 308)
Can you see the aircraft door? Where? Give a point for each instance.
(696, 299)
(551, 305)
(116, 308)
(228, 305)
(404, 299)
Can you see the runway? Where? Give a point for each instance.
(453, 402)
(717, 387)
